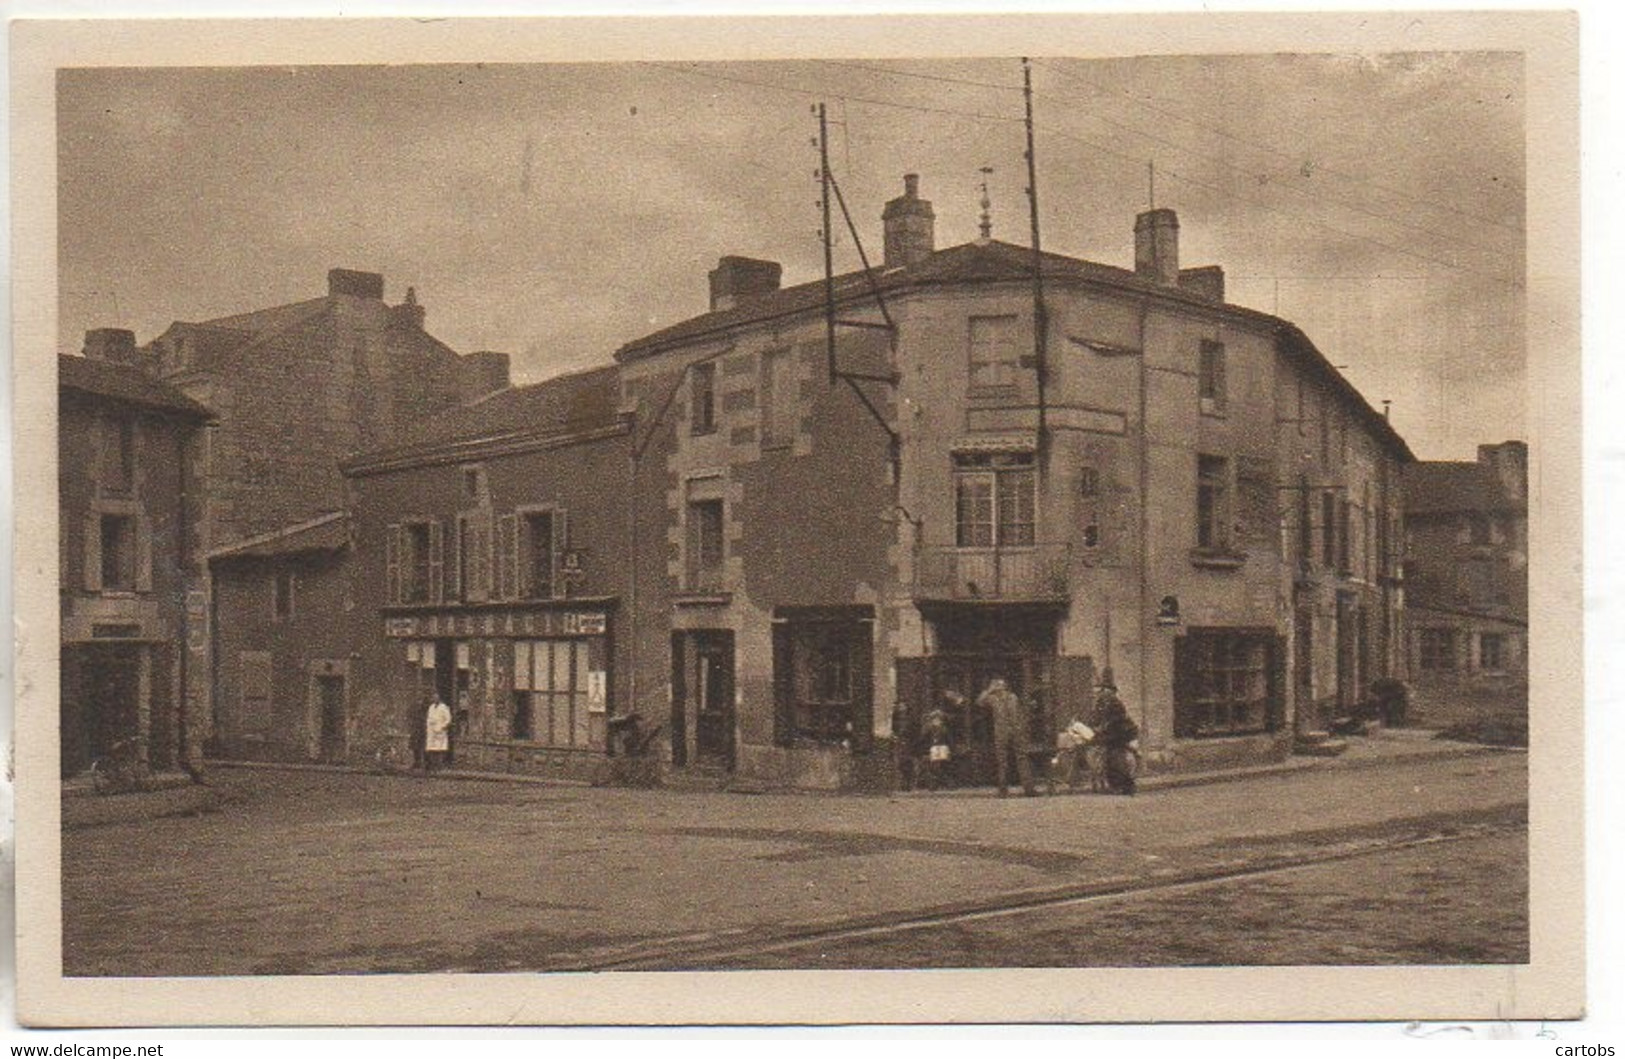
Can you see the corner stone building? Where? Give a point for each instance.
(294, 389)
(126, 489)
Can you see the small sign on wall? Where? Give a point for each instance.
(597, 691)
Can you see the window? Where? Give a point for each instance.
(1328, 528)
(415, 562)
(551, 701)
(994, 356)
(995, 500)
(1491, 652)
(1436, 650)
(705, 551)
(473, 565)
(702, 383)
(1212, 502)
(823, 679)
(117, 457)
(778, 398)
(282, 595)
(118, 553)
(539, 551)
(1211, 377)
(1345, 525)
(1225, 683)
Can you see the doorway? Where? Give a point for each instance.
(330, 707)
(702, 720)
(101, 701)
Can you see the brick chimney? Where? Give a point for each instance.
(737, 279)
(1510, 462)
(355, 284)
(112, 344)
(1156, 247)
(408, 313)
(481, 373)
(910, 225)
(1205, 282)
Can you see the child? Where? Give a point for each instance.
(1071, 746)
(935, 737)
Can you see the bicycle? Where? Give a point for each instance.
(120, 769)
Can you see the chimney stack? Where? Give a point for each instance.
(735, 280)
(910, 225)
(114, 345)
(408, 313)
(1205, 282)
(1156, 246)
(481, 374)
(355, 284)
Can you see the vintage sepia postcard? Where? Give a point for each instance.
(760, 510)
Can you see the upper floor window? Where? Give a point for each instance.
(702, 381)
(1212, 502)
(994, 354)
(1492, 652)
(119, 553)
(282, 595)
(705, 544)
(1211, 383)
(416, 562)
(995, 500)
(117, 456)
(1436, 649)
(778, 398)
(539, 554)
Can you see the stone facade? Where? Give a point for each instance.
(127, 488)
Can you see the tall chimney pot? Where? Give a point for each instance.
(910, 224)
(1156, 246)
(112, 344)
(737, 279)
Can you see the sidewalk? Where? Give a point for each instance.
(1381, 747)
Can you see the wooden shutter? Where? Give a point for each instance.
(455, 575)
(437, 562)
(484, 558)
(862, 660)
(93, 552)
(784, 688)
(561, 542)
(392, 561)
(1184, 685)
(507, 558)
(143, 553)
(1275, 675)
(523, 576)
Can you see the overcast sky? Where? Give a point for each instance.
(556, 212)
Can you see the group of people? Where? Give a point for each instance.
(1108, 731)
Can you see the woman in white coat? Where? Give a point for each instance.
(436, 735)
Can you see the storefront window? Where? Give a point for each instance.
(1226, 684)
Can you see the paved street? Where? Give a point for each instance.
(319, 872)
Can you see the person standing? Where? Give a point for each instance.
(1118, 735)
(436, 735)
(1009, 735)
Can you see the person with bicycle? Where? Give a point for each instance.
(1117, 735)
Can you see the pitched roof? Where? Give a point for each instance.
(273, 319)
(126, 383)
(1445, 488)
(325, 533)
(567, 404)
(993, 260)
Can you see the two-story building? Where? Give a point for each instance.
(1467, 585)
(127, 488)
(1177, 488)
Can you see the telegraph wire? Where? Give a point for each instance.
(1007, 119)
(1512, 188)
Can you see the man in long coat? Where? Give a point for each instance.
(1010, 736)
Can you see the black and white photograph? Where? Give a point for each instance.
(1050, 508)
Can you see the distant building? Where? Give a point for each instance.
(127, 487)
(295, 389)
(1467, 584)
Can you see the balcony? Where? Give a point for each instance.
(1034, 574)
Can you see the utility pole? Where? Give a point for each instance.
(829, 235)
(1040, 313)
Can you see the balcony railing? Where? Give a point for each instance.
(1037, 573)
